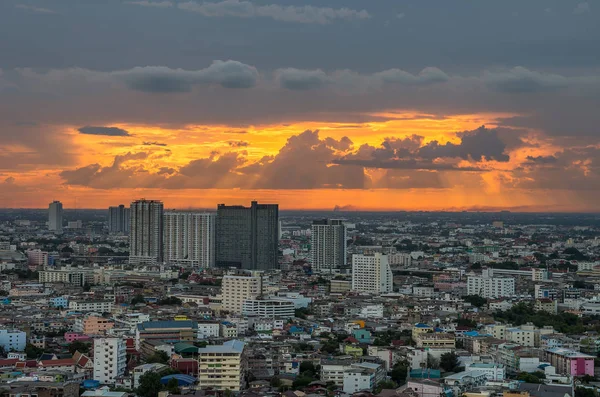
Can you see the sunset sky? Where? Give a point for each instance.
(355, 104)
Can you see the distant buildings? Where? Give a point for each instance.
(146, 232)
(190, 238)
(371, 273)
(490, 287)
(247, 237)
(328, 245)
(118, 219)
(12, 340)
(55, 217)
(110, 360)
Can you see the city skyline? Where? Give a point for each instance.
(419, 113)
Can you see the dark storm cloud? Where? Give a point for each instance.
(477, 145)
(296, 79)
(409, 164)
(156, 79)
(108, 131)
(238, 143)
(541, 160)
(154, 143)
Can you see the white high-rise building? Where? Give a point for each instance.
(55, 216)
(146, 232)
(236, 289)
(328, 245)
(490, 287)
(110, 359)
(372, 273)
(190, 238)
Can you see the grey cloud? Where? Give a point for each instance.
(409, 164)
(159, 79)
(301, 14)
(34, 9)
(154, 143)
(582, 8)
(541, 160)
(428, 75)
(108, 131)
(146, 3)
(296, 79)
(239, 144)
(523, 80)
(477, 145)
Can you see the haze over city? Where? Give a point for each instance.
(365, 105)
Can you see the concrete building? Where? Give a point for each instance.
(492, 371)
(247, 237)
(110, 360)
(79, 277)
(490, 287)
(328, 245)
(146, 232)
(190, 238)
(119, 219)
(339, 286)
(438, 340)
(222, 367)
(268, 308)
(236, 289)
(12, 339)
(371, 273)
(208, 330)
(363, 377)
(166, 331)
(92, 325)
(55, 217)
(145, 368)
(570, 362)
(103, 306)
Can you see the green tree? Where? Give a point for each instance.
(32, 352)
(275, 382)
(585, 392)
(79, 346)
(149, 385)
(173, 386)
(528, 378)
(158, 357)
(385, 384)
(449, 361)
(138, 299)
(475, 300)
(399, 372)
(307, 366)
(171, 300)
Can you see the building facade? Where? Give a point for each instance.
(328, 245)
(490, 287)
(371, 273)
(119, 219)
(247, 237)
(55, 217)
(12, 339)
(223, 367)
(110, 360)
(268, 308)
(146, 232)
(236, 289)
(190, 238)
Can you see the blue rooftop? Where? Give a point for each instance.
(182, 380)
(167, 324)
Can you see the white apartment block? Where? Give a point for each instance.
(236, 289)
(208, 330)
(268, 308)
(12, 339)
(371, 273)
(363, 376)
(77, 277)
(328, 245)
(130, 321)
(333, 371)
(190, 238)
(91, 306)
(110, 360)
(490, 287)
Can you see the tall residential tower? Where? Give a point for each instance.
(328, 245)
(247, 237)
(190, 238)
(146, 232)
(55, 216)
(118, 219)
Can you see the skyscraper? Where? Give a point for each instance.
(146, 231)
(328, 245)
(247, 237)
(190, 238)
(118, 219)
(55, 216)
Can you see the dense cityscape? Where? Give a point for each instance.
(249, 301)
